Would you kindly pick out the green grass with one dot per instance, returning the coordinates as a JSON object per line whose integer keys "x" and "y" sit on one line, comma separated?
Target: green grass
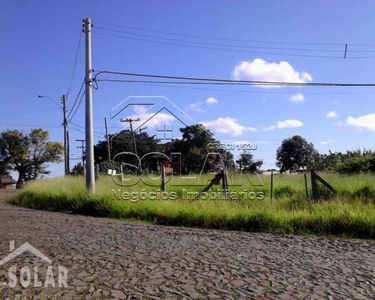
{"x": 348, "y": 213}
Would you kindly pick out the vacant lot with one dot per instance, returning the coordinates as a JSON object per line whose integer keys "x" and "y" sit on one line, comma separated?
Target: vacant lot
{"x": 350, "y": 212}
{"x": 115, "y": 259}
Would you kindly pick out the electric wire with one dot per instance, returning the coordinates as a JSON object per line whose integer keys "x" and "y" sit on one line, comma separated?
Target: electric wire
{"x": 79, "y": 104}
{"x": 227, "y": 45}
{"x": 84, "y": 127}
{"x": 81, "y": 131}
{"x": 230, "y": 39}
{"x": 74, "y": 64}
{"x": 209, "y": 81}
{"x": 29, "y": 125}
{"x": 225, "y": 49}
{"x": 161, "y": 84}
{"x": 76, "y": 100}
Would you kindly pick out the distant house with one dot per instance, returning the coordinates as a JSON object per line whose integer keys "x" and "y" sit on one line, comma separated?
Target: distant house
{"x": 6, "y": 182}
{"x": 167, "y": 167}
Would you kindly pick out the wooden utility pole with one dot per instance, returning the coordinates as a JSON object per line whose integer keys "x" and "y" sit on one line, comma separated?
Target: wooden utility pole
{"x": 108, "y": 144}
{"x": 66, "y": 136}
{"x": 130, "y": 121}
{"x": 66, "y": 132}
{"x": 82, "y": 147}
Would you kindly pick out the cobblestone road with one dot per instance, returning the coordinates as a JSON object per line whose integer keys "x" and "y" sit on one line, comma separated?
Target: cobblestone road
{"x": 109, "y": 259}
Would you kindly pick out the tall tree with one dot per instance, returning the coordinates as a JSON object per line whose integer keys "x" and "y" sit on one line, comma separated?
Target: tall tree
{"x": 295, "y": 153}
{"x": 3, "y": 166}
{"x": 28, "y": 153}
{"x": 247, "y": 164}
{"x": 123, "y": 142}
{"x": 195, "y": 147}
{"x": 77, "y": 169}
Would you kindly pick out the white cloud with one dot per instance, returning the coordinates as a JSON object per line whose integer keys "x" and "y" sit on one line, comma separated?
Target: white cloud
{"x": 289, "y": 124}
{"x": 227, "y": 125}
{"x": 326, "y": 142}
{"x": 297, "y": 98}
{"x": 366, "y": 121}
{"x": 212, "y": 100}
{"x": 140, "y": 109}
{"x": 196, "y": 107}
{"x": 270, "y": 128}
{"x": 332, "y": 114}
{"x": 261, "y": 70}
{"x": 284, "y": 124}
{"x": 141, "y": 113}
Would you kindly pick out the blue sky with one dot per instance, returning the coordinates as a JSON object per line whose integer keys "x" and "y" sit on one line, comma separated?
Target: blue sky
{"x": 39, "y": 40}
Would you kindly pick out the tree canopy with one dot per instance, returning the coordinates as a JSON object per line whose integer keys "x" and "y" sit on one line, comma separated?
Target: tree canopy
{"x": 350, "y": 162}
{"x": 28, "y": 153}
{"x": 246, "y": 163}
{"x": 295, "y": 153}
{"x": 193, "y": 146}
{"x": 196, "y": 153}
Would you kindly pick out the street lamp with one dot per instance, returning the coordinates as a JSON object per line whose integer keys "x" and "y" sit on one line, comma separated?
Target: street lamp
{"x": 48, "y": 97}
{"x": 66, "y": 132}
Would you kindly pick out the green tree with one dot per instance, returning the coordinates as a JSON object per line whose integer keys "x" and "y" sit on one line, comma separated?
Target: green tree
{"x": 356, "y": 161}
{"x": 295, "y": 153}
{"x": 4, "y": 168}
{"x": 123, "y": 142}
{"x": 77, "y": 169}
{"x": 195, "y": 145}
{"x": 247, "y": 164}
{"x": 28, "y": 153}
{"x": 350, "y": 162}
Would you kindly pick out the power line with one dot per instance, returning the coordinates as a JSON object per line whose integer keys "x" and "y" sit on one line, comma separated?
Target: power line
{"x": 75, "y": 101}
{"x": 81, "y": 131}
{"x": 79, "y": 104}
{"x": 225, "y": 49}
{"x": 160, "y": 84}
{"x": 227, "y": 45}
{"x": 238, "y": 50}
{"x": 28, "y": 125}
{"x": 210, "y": 81}
{"x": 203, "y": 45}
{"x": 84, "y": 127}
{"x": 75, "y": 64}
{"x": 231, "y": 39}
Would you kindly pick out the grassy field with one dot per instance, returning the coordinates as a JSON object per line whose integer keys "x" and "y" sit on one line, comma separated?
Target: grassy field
{"x": 348, "y": 213}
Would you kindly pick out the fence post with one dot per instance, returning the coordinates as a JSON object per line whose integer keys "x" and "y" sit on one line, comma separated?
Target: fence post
{"x": 97, "y": 172}
{"x": 271, "y": 184}
{"x": 314, "y": 187}
{"x": 225, "y": 183}
{"x": 306, "y": 188}
{"x": 163, "y": 185}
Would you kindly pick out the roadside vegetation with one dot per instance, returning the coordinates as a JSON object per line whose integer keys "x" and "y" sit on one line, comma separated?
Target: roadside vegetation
{"x": 348, "y": 213}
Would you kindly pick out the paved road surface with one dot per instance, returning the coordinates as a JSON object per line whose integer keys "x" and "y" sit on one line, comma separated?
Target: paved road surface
{"x": 109, "y": 259}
